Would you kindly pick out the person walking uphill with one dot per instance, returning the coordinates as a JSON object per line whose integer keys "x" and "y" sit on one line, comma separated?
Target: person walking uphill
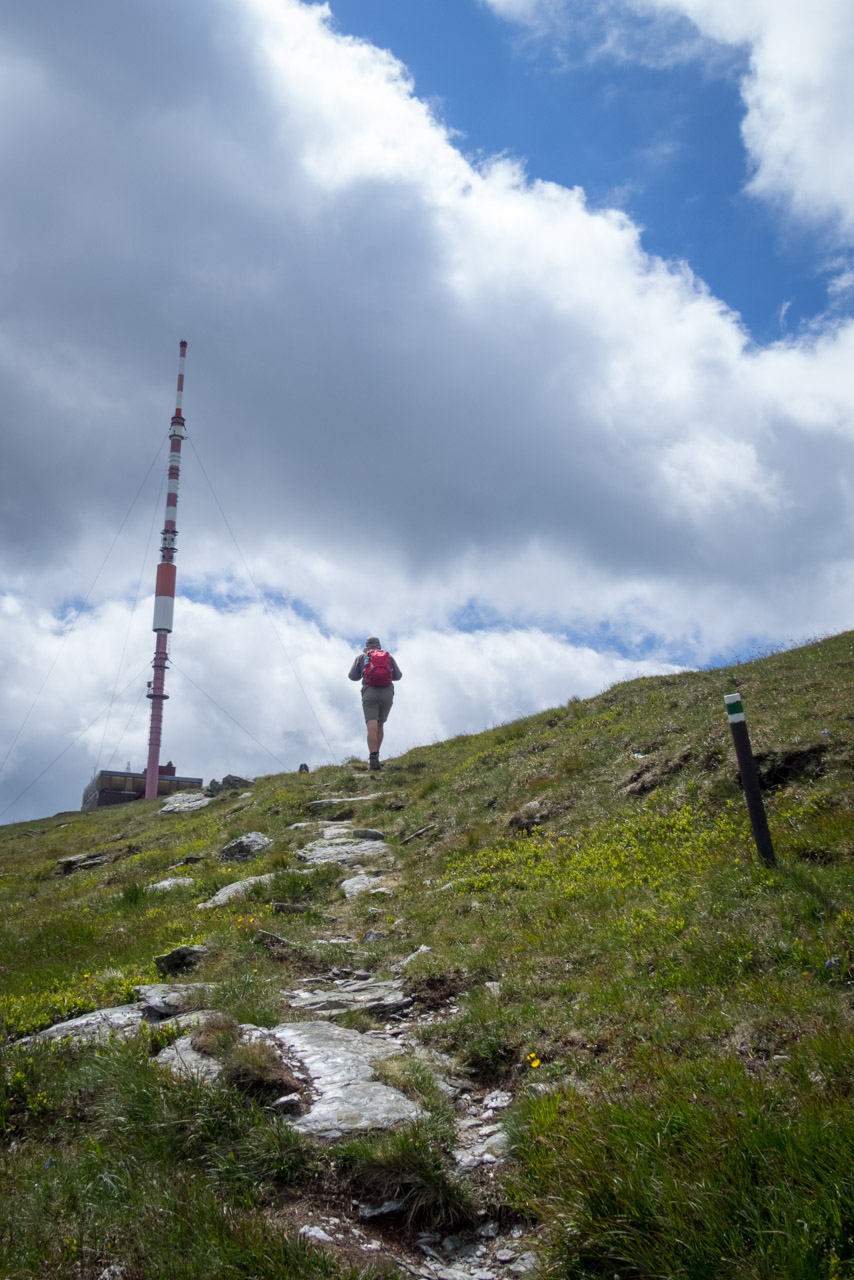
{"x": 376, "y": 669}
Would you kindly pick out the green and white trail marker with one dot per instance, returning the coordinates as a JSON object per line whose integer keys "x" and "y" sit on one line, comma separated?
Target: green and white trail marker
{"x": 749, "y": 778}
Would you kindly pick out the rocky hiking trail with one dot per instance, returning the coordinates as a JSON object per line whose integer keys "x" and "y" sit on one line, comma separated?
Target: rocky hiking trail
{"x": 327, "y": 1073}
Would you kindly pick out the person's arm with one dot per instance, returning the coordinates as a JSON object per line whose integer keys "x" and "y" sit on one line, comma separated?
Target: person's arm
{"x": 396, "y": 673}
{"x": 358, "y": 668}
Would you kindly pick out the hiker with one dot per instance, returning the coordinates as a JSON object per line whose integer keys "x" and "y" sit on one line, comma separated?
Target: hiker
{"x": 376, "y": 669}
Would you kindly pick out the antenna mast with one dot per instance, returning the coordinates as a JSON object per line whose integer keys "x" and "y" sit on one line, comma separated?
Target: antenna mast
{"x": 164, "y": 591}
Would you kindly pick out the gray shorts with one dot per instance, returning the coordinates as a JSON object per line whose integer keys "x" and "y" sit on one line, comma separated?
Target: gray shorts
{"x": 376, "y": 703}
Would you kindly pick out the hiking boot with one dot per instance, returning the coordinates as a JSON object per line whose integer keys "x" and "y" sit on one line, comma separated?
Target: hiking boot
{"x": 374, "y": 762}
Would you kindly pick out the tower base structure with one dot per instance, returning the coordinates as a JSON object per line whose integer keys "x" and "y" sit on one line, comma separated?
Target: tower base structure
{"x": 118, "y": 786}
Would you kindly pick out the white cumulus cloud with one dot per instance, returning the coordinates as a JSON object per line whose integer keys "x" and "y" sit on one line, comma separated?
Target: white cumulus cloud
{"x": 798, "y": 90}
{"x": 434, "y": 398}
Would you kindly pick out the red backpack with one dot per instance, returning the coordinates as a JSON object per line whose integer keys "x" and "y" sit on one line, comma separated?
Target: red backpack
{"x": 377, "y": 671}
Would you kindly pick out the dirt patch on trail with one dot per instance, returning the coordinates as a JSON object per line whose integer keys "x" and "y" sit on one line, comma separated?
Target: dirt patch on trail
{"x": 763, "y": 1045}
{"x": 778, "y": 768}
{"x": 653, "y": 772}
{"x": 432, "y": 991}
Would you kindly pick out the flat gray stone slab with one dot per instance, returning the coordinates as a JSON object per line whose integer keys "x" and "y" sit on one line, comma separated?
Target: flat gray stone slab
{"x": 317, "y": 804}
{"x": 80, "y": 862}
{"x": 351, "y": 993}
{"x": 121, "y": 1020}
{"x": 235, "y": 890}
{"x": 185, "y": 801}
{"x": 340, "y": 1064}
{"x": 245, "y": 847}
{"x": 358, "y": 1108}
{"x": 183, "y": 1060}
{"x": 343, "y": 851}
{"x": 361, "y": 884}
{"x": 167, "y": 999}
{"x": 174, "y": 882}
{"x": 334, "y": 1056}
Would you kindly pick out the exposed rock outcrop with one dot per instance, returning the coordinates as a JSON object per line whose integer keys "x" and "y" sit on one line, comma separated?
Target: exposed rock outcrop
{"x": 381, "y": 998}
{"x": 231, "y": 782}
{"x": 121, "y": 1020}
{"x": 355, "y": 885}
{"x": 173, "y": 882}
{"x": 324, "y": 1076}
{"x": 245, "y": 848}
{"x": 185, "y": 802}
{"x": 338, "y": 844}
{"x": 340, "y": 1064}
{"x": 319, "y": 804}
{"x": 238, "y": 889}
{"x": 179, "y": 959}
{"x": 168, "y": 999}
{"x": 80, "y": 862}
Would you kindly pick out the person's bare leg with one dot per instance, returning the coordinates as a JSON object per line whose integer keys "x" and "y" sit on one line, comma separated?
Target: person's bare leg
{"x": 379, "y": 734}
{"x": 375, "y": 735}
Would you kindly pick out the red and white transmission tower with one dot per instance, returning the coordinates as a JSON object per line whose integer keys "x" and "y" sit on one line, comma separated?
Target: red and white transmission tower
{"x": 164, "y": 592}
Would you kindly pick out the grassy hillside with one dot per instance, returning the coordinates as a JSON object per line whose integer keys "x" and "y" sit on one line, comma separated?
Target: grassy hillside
{"x": 674, "y": 1019}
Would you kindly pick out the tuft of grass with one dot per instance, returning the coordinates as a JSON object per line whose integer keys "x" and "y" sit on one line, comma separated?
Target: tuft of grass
{"x": 357, "y": 1020}
{"x": 217, "y": 1035}
{"x": 413, "y": 1077}
{"x": 408, "y": 1166}
{"x": 255, "y": 1068}
{"x": 486, "y": 1037}
{"x": 250, "y": 998}
{"x": 300, "y": 886}
{"x": 132, "y": 895}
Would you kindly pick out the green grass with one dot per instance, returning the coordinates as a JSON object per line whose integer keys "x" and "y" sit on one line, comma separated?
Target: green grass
{"x": 684, "y": 1013}
{"x": 714, "y": 1172}
{"x": 168, "y": 1177}
{"x": 408, "y": 1167}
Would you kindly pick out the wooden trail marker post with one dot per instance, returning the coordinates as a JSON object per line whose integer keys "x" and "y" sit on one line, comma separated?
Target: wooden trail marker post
{"x": 749, "y": 778}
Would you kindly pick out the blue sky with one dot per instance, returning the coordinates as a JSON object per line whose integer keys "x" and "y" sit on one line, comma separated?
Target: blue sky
{"x": 519, "y": 333}
{"x": 663, "y": 142}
